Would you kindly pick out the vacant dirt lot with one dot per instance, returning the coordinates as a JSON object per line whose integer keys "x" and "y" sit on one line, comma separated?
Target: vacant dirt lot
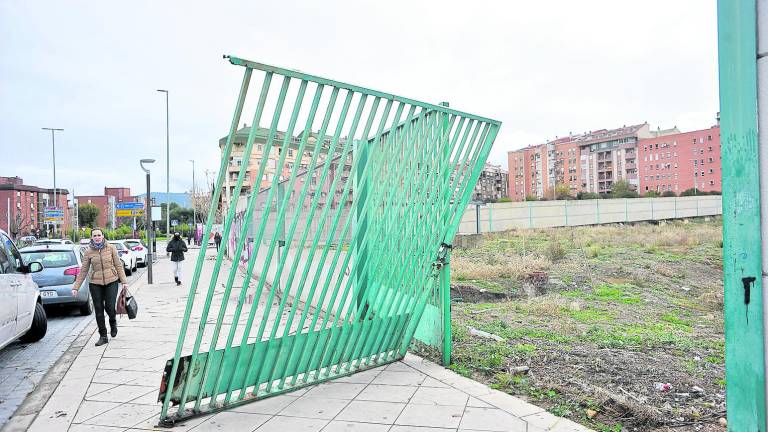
{"x": 617, "y": 327}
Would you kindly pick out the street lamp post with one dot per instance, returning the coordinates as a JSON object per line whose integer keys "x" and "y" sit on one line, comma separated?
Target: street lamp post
{"x": 148, "y": 221}
{"x": 194, "y": 191}
{"x": 167, "y": 168}
{"x": 53, "y": 146}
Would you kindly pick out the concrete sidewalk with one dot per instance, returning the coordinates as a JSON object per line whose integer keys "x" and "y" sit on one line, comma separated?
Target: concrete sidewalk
{"x": 115, "y": 387}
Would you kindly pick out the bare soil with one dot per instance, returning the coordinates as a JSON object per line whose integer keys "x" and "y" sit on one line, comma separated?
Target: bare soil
{"x": 620, "y": 327}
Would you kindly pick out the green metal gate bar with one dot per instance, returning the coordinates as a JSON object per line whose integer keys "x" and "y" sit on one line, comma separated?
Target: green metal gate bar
{"x": 742, "y": 254}
{"x": 344, "y": 234}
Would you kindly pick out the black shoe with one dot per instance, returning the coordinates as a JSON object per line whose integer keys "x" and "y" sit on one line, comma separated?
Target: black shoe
{"x": 102, "y": 340}
{"x": 178, "y": 282}
{"x": 114, "y": 332}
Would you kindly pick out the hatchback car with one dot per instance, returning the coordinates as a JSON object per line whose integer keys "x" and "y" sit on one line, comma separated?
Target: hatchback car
{"x": 139, "y": 249}
{"x": 52, "y": 241}
{"x": 126, "y": 255}
{"x": 62, "y": 265}
{"x": 21, "y": 309}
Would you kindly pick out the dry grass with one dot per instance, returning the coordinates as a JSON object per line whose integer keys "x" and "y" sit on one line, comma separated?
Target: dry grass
{"x": 500, "y": 267}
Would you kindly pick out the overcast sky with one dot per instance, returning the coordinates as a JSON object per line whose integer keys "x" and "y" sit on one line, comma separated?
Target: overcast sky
{"x": 543, "y": 68}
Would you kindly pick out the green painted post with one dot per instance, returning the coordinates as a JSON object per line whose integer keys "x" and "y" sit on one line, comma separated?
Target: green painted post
{"x": 744, "y": 333}
{"x": 566, "y": 212}
{"x": 597, "y": 212}
{"x": 490, "y": 217}
{"x": 626, "y": 210}
{"x": 445, "y": 271}
{"x": 652, "y": 209}
{"x": 675, "y": 199}
{"x": 530, "y": 215}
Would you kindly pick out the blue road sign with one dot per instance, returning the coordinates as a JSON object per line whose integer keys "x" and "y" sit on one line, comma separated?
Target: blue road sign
{"x": 130, "y": 206}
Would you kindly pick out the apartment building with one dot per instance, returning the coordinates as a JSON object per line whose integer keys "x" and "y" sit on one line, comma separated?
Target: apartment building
{"x": 21, "y": 207}
{"x": 681, "y": 161}
{"x": 492, "y": 185}
{"x": 292, "y": 158}
{"x": 587, "y": 162}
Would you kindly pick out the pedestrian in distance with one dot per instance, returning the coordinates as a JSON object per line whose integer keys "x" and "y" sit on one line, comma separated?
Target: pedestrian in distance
{"x": 217, "y": 240}
{"x": 176, "y": 247}
{"x": 101, "y": 257}
{"x": 189, "y": 238}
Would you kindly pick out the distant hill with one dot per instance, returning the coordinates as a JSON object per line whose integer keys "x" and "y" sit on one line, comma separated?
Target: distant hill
{"x": 181, "y": 198}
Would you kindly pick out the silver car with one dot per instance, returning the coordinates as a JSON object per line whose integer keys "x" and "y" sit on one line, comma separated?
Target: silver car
{"x": 21, "y": 309}
{"x": 61, "y": 265}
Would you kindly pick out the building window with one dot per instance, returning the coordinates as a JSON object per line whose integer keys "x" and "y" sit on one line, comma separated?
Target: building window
{"x": 711, "y": 182}
{"x": 711, "y": 160}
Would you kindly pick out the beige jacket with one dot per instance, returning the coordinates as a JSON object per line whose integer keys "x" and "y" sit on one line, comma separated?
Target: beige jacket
{"x": 106, "y": 264}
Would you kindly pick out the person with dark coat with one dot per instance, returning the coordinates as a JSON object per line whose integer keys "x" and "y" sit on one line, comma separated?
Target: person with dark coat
{"x": 217, "y": 240}
{"x": 176, "y": 247}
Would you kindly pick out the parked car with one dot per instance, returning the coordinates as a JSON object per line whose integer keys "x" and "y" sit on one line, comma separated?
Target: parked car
{"x": 128, "y": 257}
{"x": 85, "y": 242}
{"x": 139, "y": 249}
{"x": 21, "y": 309}
{"x": 62, "y": 265}
{"x": 25, "y": 241}
{"x": 52, "y": 241}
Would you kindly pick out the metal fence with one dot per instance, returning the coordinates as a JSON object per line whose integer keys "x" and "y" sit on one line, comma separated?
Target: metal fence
{"x": 547, "y": 214}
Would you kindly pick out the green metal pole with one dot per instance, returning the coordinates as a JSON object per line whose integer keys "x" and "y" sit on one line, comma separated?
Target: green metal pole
{"x": 742, "y": 256}
{"x": 530, "y": 215}
{"x": 597, "y": 206}
{"x": 445, "y": 272}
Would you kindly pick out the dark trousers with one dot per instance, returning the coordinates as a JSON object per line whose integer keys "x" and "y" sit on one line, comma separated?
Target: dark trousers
{"x": 104, "y": 298}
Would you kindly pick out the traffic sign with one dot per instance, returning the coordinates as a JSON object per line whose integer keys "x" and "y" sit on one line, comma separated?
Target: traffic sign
{"x": 130, "y": 206}
{"x": 53, "y": 214}
{"x": 174, "y": 222}
{"x": 129, "y": 213}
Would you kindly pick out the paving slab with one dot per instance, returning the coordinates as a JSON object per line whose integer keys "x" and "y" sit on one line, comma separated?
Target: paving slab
{"x": 115, "y": 387}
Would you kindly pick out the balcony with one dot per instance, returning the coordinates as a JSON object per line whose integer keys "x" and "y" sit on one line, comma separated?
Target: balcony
{"x": 631, "y": 165}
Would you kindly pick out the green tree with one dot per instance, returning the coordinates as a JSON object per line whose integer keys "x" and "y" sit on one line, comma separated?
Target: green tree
{"x": 87, "y": 214}
{"x": 690, "y": 192}
{"x": 622, "y": 189}
{"x": 563, "y": 191}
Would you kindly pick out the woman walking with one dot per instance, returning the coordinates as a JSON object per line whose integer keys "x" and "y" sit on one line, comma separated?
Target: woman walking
{"x": 102, "y": 258}
{"x": 176, "y": 247}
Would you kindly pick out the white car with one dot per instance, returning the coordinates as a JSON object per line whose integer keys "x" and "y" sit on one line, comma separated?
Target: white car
{"x": 139, "y": 249}
{"x": 21, "y": 309}
{"x": 52, "y": 242}
{"x": 126, "y": 255}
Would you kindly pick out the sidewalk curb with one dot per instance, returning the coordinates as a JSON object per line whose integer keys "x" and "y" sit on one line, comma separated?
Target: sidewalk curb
{"x": 28, "y": 411}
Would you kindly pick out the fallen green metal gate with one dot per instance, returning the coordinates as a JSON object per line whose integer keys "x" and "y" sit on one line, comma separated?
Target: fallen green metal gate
{"x": 356, "y": 198}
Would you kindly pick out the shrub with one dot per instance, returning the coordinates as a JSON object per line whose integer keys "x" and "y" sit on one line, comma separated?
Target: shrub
{"x": 587, "y": 196}
{"x": 504, "y": 199}
{"x": 555, "y": 251}
{"x": 690, "y": 192}
{"x": 651, "y": 194}
{"x": 531, "y": 198}
{"x": 668, "y": 194}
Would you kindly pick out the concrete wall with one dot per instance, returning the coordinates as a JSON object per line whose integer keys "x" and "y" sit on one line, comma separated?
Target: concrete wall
{"x": 545, "y": 214}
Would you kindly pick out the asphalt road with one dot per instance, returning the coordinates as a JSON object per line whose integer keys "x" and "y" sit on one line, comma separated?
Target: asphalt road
{"x": 23, "y": 365}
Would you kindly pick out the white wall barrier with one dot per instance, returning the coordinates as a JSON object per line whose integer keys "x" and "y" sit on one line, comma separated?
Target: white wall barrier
{"x": 546, "y": 214}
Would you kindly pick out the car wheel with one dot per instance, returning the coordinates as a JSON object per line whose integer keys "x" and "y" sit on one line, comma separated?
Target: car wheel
{"x": 86, "y": 308}
{"x": 39, "y": 325}
{"x": 128, "y": 272}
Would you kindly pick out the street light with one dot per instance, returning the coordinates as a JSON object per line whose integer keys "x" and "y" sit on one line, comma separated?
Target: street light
{"x": 148, "y": 221}
{"x": 194, "y": 212}
{"x": 167, "y": 168}
{"x": 53, "y": 144}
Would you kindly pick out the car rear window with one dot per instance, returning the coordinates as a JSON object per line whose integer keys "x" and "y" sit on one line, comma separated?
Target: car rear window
{"x": 132, "y": 243}
{"x": 51, "y": 259}
{"x": 119, "y": 246}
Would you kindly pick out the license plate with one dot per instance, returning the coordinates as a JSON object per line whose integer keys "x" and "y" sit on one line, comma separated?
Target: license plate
{"x": 48, "y": 294}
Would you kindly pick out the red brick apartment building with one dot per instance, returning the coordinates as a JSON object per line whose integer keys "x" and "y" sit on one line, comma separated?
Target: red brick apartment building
{"x": 689, "y": 160}
{"x": 106, "y": 204}
{"x": 21, "y": 206}
{"x": 658, "y": 160}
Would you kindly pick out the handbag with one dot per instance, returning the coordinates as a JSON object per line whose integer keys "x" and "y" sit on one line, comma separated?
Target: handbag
{"x": 126, "y": 304}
